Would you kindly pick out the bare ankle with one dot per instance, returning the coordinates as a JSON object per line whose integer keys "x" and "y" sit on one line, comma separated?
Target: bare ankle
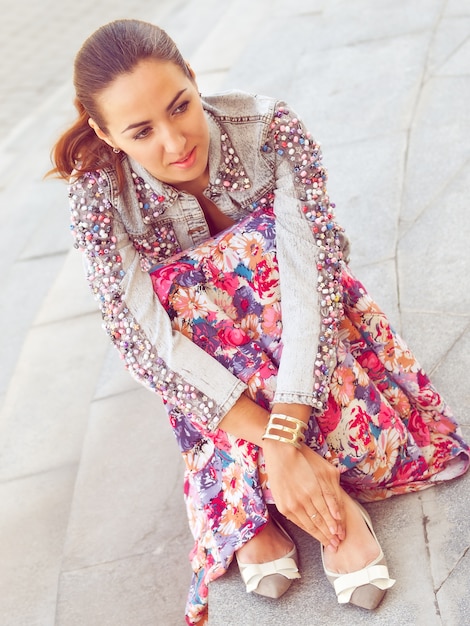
{"x": 269, "y": 544}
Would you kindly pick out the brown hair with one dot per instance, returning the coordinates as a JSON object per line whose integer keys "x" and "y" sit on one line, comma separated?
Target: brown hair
{"x": 114, "y": 49}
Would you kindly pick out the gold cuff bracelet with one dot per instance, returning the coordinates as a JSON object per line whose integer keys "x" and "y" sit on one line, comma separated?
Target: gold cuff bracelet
{"x": 294, "y": 428}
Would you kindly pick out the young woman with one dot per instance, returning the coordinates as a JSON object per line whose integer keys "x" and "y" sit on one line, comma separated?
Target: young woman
{"x": 222, "y": 278}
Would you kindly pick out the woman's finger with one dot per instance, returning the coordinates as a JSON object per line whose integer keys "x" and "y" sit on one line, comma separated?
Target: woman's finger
{"x": 317, "y": 524}
{"x": 309, "y": 513}
{"x": 333, "y": 504}
{"x": 335, "y": 508}
{"x": 323, "y": 520}
{"x": 309, "y": 526}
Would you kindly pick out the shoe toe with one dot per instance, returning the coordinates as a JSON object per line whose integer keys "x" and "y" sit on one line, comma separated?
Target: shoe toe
{"x": 367, "y": 597}
{"x": 273, "y": 586}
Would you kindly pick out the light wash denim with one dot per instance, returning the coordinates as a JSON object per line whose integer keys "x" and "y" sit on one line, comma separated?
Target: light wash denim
{"x": 124, "y": 234}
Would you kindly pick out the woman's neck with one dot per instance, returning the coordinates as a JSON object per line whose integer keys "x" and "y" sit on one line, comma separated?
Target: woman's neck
{"x": 197, "y": 186}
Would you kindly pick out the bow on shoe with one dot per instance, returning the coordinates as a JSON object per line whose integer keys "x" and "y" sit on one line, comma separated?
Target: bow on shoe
{"x": 376, "y": 575}
{"x": 253, "y": 573}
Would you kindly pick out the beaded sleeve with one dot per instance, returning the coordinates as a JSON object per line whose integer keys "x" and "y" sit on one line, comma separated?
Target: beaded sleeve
{"x": 310, "y": 248}
{"x": 134, "y": 318}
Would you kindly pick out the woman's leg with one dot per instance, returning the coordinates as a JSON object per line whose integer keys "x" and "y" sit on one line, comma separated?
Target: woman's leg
{"x": 268, "y": 545}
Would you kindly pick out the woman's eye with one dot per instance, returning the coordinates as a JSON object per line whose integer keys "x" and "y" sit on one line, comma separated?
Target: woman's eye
{"x": 142, "y": 133}
{"x": 181, "y": 108}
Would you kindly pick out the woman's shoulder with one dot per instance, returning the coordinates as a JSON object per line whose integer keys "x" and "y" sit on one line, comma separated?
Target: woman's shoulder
{"x": 240, "y": 105}
{"x": 98, "y": 182}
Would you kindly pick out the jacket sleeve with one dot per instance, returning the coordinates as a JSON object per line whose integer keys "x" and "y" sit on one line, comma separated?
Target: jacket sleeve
{"x": 162, "y": 359}
{"x": 311, "y": 248}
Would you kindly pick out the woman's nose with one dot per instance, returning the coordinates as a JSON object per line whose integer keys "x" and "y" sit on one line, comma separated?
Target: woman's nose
{"x": 174, "y": 142}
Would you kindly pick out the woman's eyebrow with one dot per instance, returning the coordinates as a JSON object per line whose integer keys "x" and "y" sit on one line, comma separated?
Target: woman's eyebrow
{"x": 180, "y": 93}
{"x": 168, "y": 108}
{"x": 135, "y": 125}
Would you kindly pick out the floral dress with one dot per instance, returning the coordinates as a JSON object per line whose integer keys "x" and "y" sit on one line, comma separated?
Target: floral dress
{"x": 385, "y": 426}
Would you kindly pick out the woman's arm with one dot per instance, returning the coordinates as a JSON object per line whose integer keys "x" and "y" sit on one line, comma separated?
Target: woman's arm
{"x": 138, "y": 325}
{"x": 309, "y": 247}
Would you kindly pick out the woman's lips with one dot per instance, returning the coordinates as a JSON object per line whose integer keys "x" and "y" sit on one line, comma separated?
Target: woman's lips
{"x": 187, "y": 161}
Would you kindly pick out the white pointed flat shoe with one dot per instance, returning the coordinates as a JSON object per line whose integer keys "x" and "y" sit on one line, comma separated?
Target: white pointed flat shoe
{"x": 365, "y": 587}
{"x": 271, "y": 579}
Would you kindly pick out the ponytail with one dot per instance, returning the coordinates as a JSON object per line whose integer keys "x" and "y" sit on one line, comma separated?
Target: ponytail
{"x": 80, "y": 150}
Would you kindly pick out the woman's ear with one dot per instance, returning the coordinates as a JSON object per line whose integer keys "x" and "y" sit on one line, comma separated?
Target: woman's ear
{"x": 100, "y": 133}
{"x": 192, "y": 73}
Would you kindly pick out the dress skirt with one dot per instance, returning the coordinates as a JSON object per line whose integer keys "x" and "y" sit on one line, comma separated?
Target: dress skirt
{"x": 386, "y": 427}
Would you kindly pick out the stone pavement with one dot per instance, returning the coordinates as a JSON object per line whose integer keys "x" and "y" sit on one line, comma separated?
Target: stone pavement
{"x": 92, "y": 524}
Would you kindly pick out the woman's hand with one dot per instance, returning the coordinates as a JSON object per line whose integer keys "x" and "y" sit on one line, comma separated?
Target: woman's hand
{"x": 306, "y": 490}
{"x": 303, "y": 484}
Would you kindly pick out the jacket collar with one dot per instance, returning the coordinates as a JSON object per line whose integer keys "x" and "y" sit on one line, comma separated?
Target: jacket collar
{"x": 226, "y": 171}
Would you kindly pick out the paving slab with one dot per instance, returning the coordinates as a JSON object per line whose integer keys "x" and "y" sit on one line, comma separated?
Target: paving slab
{"x": 69, "y": 295}
{"x": 136, "y": 590}
{"x": 457, "y": 8}
{"x": 127, "y": 482}
{"x": 368, "y": 192}
{"x": 128, "y": 541}
{"x": 448, "y": 535}
{"x": 355, "y": 21}
{"x": 439, "y": 282}
{"x": 23, "y": 288}
{"x": 33, "y": 520}
{"x": 448, "y": 377}
{"x": 59, "y": 403}
{"x": 452, "y": 35}
{"x": 441, "y": 120}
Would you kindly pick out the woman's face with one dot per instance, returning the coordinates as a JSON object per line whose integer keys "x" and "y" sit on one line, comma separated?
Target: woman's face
{"x": 155, "y": 115}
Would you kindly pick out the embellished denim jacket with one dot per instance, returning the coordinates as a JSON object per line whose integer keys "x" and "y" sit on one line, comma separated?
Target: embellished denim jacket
{"x": 260, "y": 152}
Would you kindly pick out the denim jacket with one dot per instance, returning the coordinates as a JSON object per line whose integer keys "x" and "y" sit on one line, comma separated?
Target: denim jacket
{"x": 260, "y": 152}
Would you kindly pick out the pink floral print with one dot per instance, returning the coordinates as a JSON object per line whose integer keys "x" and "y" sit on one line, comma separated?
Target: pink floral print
{"x": 385, "y": 426}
